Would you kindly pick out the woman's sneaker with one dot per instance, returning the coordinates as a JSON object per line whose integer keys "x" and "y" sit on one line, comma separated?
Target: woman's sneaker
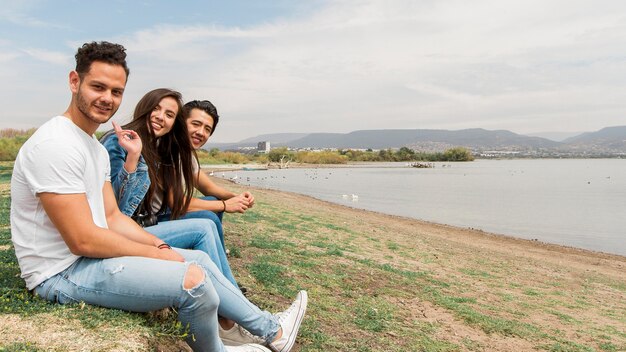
{"x": 246, "y": 348}
{"x": 237, "y": 335}
{"x": 290, "y": 321}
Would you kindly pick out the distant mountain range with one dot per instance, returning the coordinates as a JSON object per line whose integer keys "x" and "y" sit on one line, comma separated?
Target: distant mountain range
{"x": 609, "y": 141}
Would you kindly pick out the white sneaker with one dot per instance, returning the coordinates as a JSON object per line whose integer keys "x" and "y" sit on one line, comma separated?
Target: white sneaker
{"x": 237, "y": 335}
{"x": 246, "y": 348}
{"x": 290, "y": 321}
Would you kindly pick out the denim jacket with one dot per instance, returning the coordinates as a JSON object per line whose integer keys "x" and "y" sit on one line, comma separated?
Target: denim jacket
{"x": 131, "y": 188}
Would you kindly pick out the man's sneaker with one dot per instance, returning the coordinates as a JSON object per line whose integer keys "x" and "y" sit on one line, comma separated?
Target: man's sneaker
{"x": 290, "y": 321}
{"x": 246, "y": 348}
{"x": 237, "y": 335}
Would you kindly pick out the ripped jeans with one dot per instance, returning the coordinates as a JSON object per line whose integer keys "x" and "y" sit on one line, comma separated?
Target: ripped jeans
{"x": 200, "y": 234}
{"x": 139, "y": 284}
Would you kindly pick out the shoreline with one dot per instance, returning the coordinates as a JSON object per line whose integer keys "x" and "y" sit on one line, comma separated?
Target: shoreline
{"x": 470, "y": 230}
{"x": 465, "y": 235}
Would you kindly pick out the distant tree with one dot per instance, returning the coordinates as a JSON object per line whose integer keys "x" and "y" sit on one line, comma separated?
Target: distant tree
{"x": 324, "y": 157}
{"x": 385, "y": 155}
{"x": 213, "y": 152}
{"x": 457, "y": 154}
{"x": 276, "y": 153}
{"x": 405, "y": 154}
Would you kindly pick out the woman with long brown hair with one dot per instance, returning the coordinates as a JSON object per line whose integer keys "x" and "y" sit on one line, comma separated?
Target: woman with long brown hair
{"x": 151, "y": 171}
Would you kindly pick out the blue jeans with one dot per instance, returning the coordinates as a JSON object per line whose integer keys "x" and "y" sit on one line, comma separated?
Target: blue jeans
{"x": 139, "y": 284}
{"x": 202, "y": 214}
{"x": 200, "y": 234}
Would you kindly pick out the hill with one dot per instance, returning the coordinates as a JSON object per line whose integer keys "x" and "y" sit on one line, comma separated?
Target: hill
{"x": 610, "y": 141}
{"x": 476, "y": 138}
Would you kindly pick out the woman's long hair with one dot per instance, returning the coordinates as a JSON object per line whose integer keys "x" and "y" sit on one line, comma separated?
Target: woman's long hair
{"x": 169, "y": 157}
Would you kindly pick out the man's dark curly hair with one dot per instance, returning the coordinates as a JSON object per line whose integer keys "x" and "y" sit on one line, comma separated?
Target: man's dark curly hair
{"x": 110, "y": 53}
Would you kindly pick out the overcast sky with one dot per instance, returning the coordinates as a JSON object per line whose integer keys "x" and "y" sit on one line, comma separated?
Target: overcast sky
{"x": 334, "y": 66}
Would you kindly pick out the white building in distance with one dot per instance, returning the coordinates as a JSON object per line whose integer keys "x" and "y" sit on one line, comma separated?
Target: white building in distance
{"x": 263, "y": 147}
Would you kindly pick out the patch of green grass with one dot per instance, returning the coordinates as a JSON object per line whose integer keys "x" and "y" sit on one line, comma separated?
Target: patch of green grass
{"x": 336, "y": 227}
{"x": 472, "y": 345}
{"x": 531, "y": 292}
{"x": 265, "y": 242}
{"x": 566, "y": 346}
{"x": 21, "y": 347}
{"x": 235, "y": 251}
{"x": 564, "y": 317}
{"x": 312, "y": 337}
{"x": 489, "y": 324}
{"x": 271, "y": 276}
{"x": 307, "y": 218}
{"x": 507, "y": 297}
{"x": 474, "y": 272}
{"x": 287, "y": 226}
{"x": 373, "y": 314}
{"x": 609, "y": 347}
{"x": 334, "y": 251}
{"x": 393, "y": 246}
{"x": 250, "y": 217}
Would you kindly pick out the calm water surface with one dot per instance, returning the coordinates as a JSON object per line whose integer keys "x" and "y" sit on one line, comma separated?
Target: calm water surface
{"x": 579, "y": 203}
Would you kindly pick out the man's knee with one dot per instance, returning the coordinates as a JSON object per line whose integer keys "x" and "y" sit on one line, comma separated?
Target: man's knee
{"x": 193, "y": 277}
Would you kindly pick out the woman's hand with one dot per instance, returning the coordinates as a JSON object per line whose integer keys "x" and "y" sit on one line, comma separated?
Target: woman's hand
{"x": 128, "y": 139}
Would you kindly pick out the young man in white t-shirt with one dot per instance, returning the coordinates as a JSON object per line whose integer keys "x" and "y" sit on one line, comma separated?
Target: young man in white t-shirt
{"x": 73, "y": 244}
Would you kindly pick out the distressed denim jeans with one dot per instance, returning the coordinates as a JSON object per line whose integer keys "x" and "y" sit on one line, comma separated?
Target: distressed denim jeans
{"x": 200, "y": 234}
{"x": 139, "y": 284}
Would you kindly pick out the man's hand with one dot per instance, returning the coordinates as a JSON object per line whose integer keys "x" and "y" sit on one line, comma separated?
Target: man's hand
{"x": 249, "y": 197}
{"x": 237, "y": 204}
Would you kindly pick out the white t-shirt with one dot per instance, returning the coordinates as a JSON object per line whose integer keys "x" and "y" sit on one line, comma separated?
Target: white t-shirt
{"x": 59, "y": 158}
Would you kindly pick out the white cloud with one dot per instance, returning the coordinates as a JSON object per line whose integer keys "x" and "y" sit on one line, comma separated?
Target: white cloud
{"x": 520, "y": 65}
{"x": 52, "y": 57}
{"x": 17, "y": 13}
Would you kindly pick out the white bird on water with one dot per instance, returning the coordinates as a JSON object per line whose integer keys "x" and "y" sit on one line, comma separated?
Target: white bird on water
{"x": 355, "y": 198}
{"x": 234, "y": 177}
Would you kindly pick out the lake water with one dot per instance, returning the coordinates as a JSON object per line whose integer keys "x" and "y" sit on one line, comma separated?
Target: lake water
{"x": 579, "y": 203}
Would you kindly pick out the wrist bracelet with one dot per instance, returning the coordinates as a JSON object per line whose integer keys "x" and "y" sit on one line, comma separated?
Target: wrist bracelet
{"x": 223, "y": 211}
{"x": 164, "y": 245}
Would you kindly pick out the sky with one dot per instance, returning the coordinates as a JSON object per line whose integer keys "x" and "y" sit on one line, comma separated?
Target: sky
{"x": 528, "y": 66}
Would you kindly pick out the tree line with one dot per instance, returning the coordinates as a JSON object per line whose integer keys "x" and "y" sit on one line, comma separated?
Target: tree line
{"x": 11, "y": 141}
{"x": 341, "y": 156}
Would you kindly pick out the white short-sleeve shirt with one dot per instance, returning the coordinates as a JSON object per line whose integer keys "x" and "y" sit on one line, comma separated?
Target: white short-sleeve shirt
{"x": 58, "y": 158}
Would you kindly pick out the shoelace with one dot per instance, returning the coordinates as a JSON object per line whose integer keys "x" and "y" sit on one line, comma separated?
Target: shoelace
{"x": 282, "y": 316}
{"x": 248, "y": 334}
